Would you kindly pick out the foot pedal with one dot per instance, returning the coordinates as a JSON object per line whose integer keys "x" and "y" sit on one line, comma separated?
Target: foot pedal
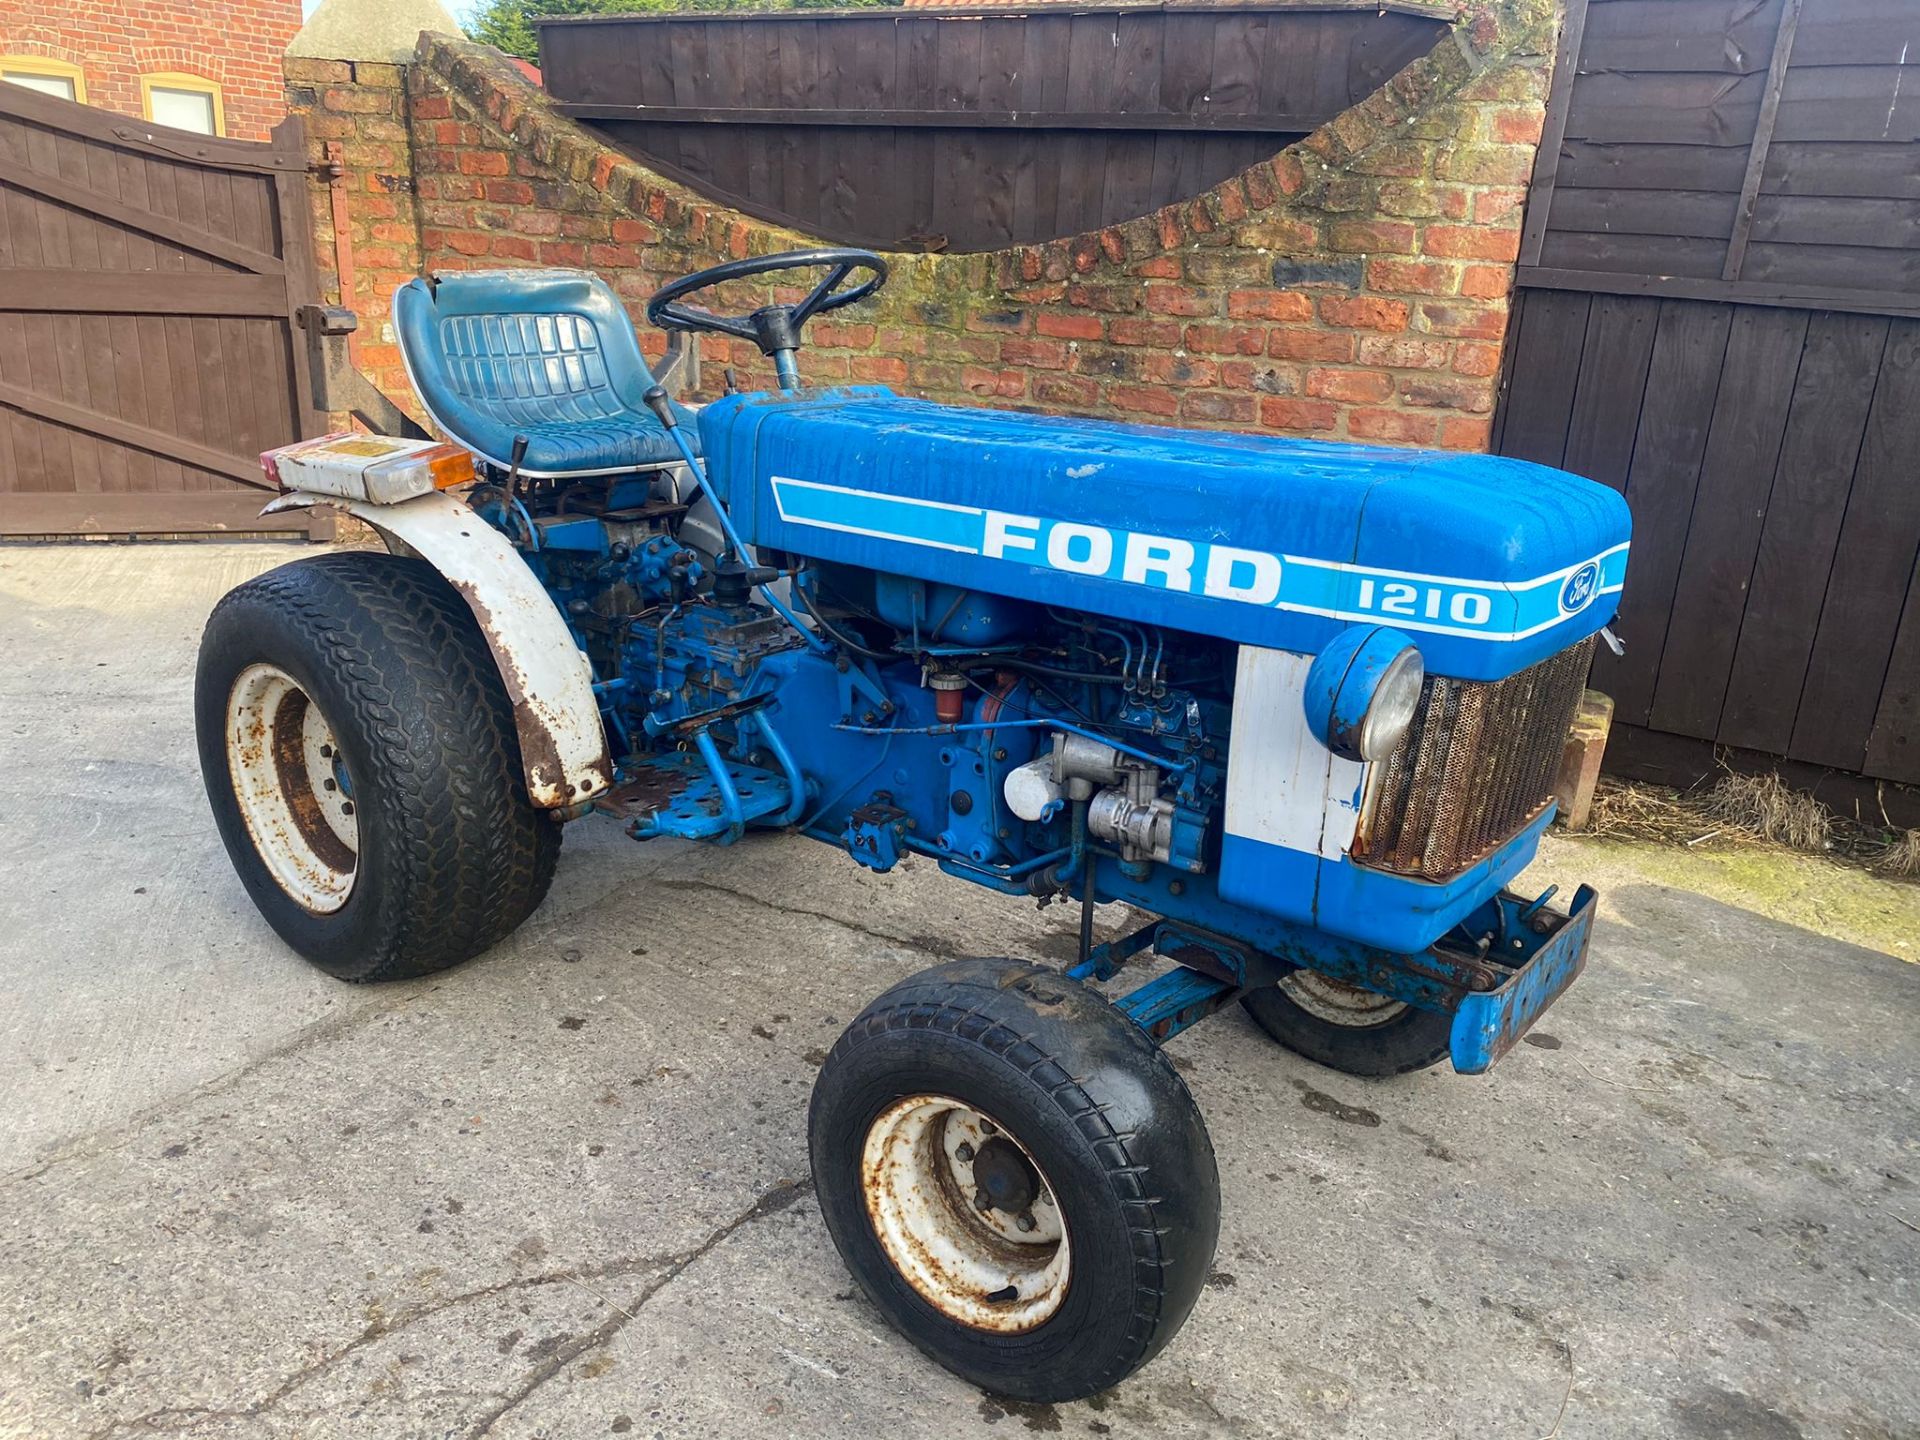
{"x": 676, "y": 794}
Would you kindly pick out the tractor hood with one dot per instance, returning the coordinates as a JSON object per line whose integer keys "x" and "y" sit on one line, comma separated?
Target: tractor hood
{"x": 1489, "y": 564}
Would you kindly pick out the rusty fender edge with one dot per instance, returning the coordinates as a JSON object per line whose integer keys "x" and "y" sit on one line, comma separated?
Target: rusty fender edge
{"x": 562, "y": 745}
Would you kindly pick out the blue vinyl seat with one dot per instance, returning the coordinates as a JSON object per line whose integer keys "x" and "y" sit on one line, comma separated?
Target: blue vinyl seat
{"x": 548, "y": 354}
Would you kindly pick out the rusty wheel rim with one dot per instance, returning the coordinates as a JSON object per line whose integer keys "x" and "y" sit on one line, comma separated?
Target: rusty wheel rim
{"x": 965, "y": 1215}
{"x": 292, "y": 786}
{"x": 1338, "y": 1003}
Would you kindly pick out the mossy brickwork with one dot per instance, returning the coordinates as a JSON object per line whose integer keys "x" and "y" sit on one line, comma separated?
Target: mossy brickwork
{"x": 1355, "y": 286}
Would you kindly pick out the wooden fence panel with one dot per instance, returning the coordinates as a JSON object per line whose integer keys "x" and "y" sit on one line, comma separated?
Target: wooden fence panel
{"x": 148, "y": 280}
{"x": 972, "y": 130}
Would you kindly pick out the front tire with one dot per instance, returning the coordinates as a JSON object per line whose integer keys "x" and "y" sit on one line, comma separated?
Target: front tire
{"x": 1349, "y": 1029}
{"x": 1016, "y": 1176}
{"x": 359, "y": 752}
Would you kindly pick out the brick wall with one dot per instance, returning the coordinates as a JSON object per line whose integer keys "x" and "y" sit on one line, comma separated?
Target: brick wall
{"x": 235, "y": 43}
{"x": 357, "y": 111}
{"x": 1353, "y": 287}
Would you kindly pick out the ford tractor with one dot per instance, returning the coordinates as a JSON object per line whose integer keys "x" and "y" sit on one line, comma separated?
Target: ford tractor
{"x": 1293, "y": 708}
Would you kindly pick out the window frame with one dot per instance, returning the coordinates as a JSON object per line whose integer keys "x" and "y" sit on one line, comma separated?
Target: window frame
{"x": 52, "y": 68}
{"x": 183, "y": 81}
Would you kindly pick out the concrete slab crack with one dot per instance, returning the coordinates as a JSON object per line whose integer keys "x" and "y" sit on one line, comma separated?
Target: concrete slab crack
{"x": 670, "y": 1267}
{"x": 771, "y": 1202}
{"x": 927, "y": 944}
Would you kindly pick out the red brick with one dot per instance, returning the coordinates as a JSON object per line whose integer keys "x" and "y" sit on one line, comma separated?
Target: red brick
{"x": 1158, "y": 267}
{"x": 886, "y": 369}
{"x": 1519, "y": 127}
{"x": 1069, "y": 326}
{"x": 1352, "y": 387}
{"x": 1472, "y": 358}
{"x": 1486, "y": 282}
{"x": 849, "y": 336}
{"x": 1469, "y": 322}
{"x": 1226, "y": 339}
{"x": 629, "y": 231}
{"x": 1501, "y": 205}
{"x": 1364, "y": 312}
{"x": 1412, "y": 277}
{"x": 1394, "y": 426}
{"x": 1473, "y": 242}
{"x": 1279, "y": 412}
{"x": 1269, "y": 305}
{"x": 1176, "y": 300}
{"x": 508, "y": 192}
{"x": 1372, "y": 237}
{"x": 483, "y": 162}
{"x": 1432, "y": 392}
{"x": 1303, "y": 343}
{"x": 1177, "y": 369}
{"x": 994, "y": 384}
{"x": 1465, "y": 433}
{"x": 1165, "y": 333}
{"x": 1214, "y": 406}
{"x": 507, "y": 247}
{"x": 1073, "y": 391}
{"x": 1142, "y": 400}
{"x": 1404, "y": 352}
{"x": 1035, "y": 354}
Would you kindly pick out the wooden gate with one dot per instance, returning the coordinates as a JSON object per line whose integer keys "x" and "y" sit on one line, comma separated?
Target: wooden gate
{"x": 148, "y": 280}
{"x": 1719, "y": 315}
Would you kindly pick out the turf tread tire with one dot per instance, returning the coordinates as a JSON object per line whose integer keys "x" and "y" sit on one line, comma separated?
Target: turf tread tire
{"x": 1060, "y": 1037}
{"x": 453, "y": 854}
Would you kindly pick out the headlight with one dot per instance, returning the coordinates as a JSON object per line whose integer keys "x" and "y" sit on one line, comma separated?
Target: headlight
{"x": 1362, "y": 691}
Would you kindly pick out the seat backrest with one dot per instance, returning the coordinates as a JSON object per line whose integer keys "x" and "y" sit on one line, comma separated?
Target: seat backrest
{"x": 508, "y": 349}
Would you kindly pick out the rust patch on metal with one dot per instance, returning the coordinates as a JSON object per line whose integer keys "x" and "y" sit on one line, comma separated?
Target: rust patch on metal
{"x": 540, "y": 757}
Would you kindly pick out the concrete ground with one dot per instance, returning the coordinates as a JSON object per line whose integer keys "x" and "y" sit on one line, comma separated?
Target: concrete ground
{"x": 562, "y": 1192}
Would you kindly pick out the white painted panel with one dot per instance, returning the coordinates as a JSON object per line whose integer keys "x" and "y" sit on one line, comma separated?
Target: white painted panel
{"x": 1283, "y": 786}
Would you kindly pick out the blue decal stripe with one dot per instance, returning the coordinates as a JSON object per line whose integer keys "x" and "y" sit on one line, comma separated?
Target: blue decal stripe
{"x": 1491, "y": 610}
{"x": 883, "y": 517}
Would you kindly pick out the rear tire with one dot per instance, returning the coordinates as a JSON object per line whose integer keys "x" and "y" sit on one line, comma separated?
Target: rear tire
{"x": 359, "y": 752}
{"x": 1348, "y": 1029}
{"x": 1016, "y": 1176}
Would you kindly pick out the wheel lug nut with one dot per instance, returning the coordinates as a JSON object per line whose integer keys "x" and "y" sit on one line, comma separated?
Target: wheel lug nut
{"x": 982, "y": 1200}
{"x": 326, "y": 752}
{"x": 328, "y": 785}
{"x": 964, "y": 1153}
{"x": 346, "y": 808}
{"x": 989, "y": 1127}
{"x": 1025, "y": 1221}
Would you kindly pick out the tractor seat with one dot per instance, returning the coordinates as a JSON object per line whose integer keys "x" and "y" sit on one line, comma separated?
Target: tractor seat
{"x": 546, "y": 354}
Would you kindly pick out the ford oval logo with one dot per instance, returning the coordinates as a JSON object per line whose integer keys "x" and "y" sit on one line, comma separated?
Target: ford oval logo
{"x": 1580, "y": 587}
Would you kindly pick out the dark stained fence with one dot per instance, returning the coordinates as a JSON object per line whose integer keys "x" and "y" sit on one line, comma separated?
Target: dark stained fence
{"x": 971, "y": 130}
{"x": 147, "y": 281}
{"x": 1717, "y": 316}
{"x": 1734, "y": 149}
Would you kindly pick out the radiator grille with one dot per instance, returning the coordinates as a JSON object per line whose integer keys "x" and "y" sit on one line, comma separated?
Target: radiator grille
{"x": 1476, "y": 765}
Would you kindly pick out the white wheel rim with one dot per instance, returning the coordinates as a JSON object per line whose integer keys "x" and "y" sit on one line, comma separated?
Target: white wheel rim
{"x": 1339, "y": 1003}
{"x": 292, "y": 787}
{"x": 924, "y": 1169}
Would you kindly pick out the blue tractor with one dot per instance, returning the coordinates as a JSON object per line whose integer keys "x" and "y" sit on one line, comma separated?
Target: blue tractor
{"x": 1298, "y": 705}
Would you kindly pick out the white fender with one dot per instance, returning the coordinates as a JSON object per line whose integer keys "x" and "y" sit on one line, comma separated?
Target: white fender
{"x": 547, "y": 676}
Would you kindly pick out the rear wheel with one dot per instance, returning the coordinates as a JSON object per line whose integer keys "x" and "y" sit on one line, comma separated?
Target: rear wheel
{"x": 1348, "y": 1028}
{"x": 359, "y": 753}
{"x": 1016, "y": 1176}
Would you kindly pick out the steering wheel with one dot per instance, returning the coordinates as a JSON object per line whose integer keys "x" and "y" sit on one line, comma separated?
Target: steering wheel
{"x": 773, "y": 328}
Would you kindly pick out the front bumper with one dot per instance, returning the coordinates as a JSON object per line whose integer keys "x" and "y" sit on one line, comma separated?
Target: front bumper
{"x": 1544, "y": 952}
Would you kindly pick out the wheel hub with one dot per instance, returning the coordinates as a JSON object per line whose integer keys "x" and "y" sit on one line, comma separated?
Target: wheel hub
{"x": 1339, "y": 1003}
{"x": 965, "y": 1215}
{"x": 294, "y": 792}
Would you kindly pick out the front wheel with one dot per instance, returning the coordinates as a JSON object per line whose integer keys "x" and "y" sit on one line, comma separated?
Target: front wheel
{"x": 1016, "y": 1176}
{"x": 359, "y": 752}
{"x": 1347, "y": 1028}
